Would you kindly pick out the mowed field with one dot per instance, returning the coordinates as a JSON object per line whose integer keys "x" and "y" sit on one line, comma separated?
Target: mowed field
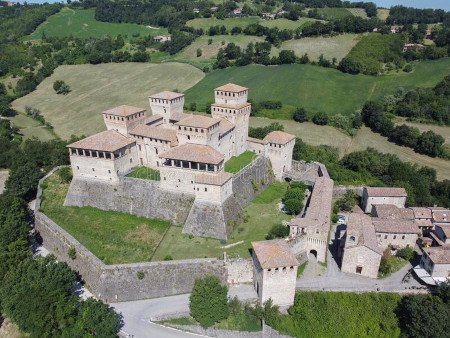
{"x": 229, "y": 23}
{"x": 30, "y": 128}
{"x": 331, "y": 47}
{"x": 317, "y": 135}
{"x": 316, "y": 88}
{"x": 81, "y": 23}
{"x": 96, "y": 88}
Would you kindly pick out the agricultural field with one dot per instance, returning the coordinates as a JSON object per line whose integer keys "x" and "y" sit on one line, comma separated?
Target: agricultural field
{"x": 316, "y": 88}
{"x": 96, "y": 88}
{"x": 326, "y": 135}
{"x": 332, "y": 13}
{"x": 229, "y": 23}
{"x": 29, "y": 128}
{"x": 113, "y": 237}
{"x": 209, "y": 51}
{"x": 81, "y": 23}
{"x": 331, "y": 47}
{"x": 358, "y": 12}
{"x": 262, "y": 214}
{"x": 382, "y": 14}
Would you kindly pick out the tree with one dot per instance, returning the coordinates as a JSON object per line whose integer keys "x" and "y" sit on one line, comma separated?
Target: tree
{"x": 278, "y": 231}
{"x": 199, "y": 52}
{"x": 320, "y": 118}
{"x": 293, "y": 206}
{"x": 61, "y": 87}
{"x": 208, "y": 301}
{"x": 23, "y": 181}
{"x": 300, "y": 115}
{"x": 348, "y": 201}
{"x": 287, "y": 57}
{"x": 429, "y": 143}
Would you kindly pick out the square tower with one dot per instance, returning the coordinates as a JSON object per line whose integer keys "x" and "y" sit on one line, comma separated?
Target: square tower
{"x": 123, "y": 118}
{"x": 167, "y": 104}
{"x": 231, "y": 104}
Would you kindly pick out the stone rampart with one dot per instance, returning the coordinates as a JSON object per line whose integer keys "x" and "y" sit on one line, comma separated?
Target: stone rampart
{"x": 252, "y": 180}
{"x": 340, "y": 190}
{"x": 239, "y": 270}
{"x": 136, "y": 196}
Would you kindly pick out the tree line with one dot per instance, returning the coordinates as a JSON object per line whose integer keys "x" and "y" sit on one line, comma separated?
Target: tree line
{"x": 401, "y": 15}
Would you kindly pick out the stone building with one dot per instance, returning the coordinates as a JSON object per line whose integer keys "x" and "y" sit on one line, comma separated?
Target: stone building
{"x": 394, "y": 196}
{"x": 436, "y": 261}
{"x": 441, "y": 234}
{"x": 275, "y": 272}
{"x": 359, "y": 248}
{"x": 396, "y": 233}
{"x": 314, "y": 226}
{"x": 188, "y": 150}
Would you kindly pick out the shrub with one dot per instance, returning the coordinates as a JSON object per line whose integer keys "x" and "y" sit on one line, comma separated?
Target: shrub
{"x": 408, "y": 68}
{"x": 300, "y": 115}
{"x": 199, "y": 52}
{"x": 208, "y": 301}
{"x": 72, "y": 253}
{"x": 168, "y": 258}
{"x": 278, "y": 231}
{"x": 293, "y": 206}
{"x": 65, "y": 174}
{"x": 406, "y": 253}
{"x": 348, "y": 201}
{"x": 140, "y": 275}
{"x": 320, "y": 119}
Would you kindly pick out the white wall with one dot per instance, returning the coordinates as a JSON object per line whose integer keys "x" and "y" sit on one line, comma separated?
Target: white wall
{"x": 401, "y": 240}
{"x": 281, "y": 157}
{"x": 369, "y": 201}
{"x": 362, "y": 256}
{"x": 166, "y": 108}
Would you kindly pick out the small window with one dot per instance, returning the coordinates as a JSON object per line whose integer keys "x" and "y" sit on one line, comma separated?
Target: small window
{"x": 164, "y": 178}
{"x": 78, "y": 168}
{"x": 403, "y": 237}
{"x": 385, "y": 236}
{"x": 206, "y": 189}
{"x": 131, "y": 160}
{"x": 352, "y": 238}
{"x": 395, "y": 236}
{"x": 93, "y": 169}
{"x": 109, "y": 171}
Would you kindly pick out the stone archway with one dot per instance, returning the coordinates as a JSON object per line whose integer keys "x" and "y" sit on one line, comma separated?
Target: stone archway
{"x": 313, "y": 253}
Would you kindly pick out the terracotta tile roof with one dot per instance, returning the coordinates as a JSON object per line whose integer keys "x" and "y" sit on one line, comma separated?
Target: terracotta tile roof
{"x": 421, "y": 212}
{"x": 256, "y": 140}
{"x": 225, "y": 126}
{"x": 231, "y": 106}
{"x": 360, "y": 226}
{"x": 158, "y": 133}
{"x": 109, "y": 140}
{"x": 178, "y": 116}
{"x": 124, "y": 110}
{"x": 445, "y": 229}
{"x": 231, "y": 87}
{"x": 395, "y": 226}
{"x": 386, "y": 191}
{"x": 440, "y": 254}
{"x": 424, "y": 223}
{"x": 213, "y": 179}
{"x": 194, "y": 153}
{"x": 274, "y": 254}
{"x": 278, "y": 137}
{"x": 441, "y": 216}
{"x": 198, "y": 121}
{"x": 391, "y": 211}
{"x": 166, "y": 95}
{"x": 153, "y": 118}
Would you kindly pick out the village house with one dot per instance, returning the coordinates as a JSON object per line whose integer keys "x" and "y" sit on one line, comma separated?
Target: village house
{"x": 314, "y": 226}
{"x": 441, "y": 234}
{"x": 189, "y": 150}
{"x": 359, "y": 248}
{"x": 275, "y": 272}
{"x": 412, "y": 46}
{"x": 396, "y": 233}
{"x": 268, "y": 15}
{"x": 162, "y": 38}
{"x": 436, "y": 262}
{"x": 394, "y": 196}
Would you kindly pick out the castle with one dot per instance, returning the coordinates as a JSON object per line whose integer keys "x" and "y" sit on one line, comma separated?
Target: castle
{"x": 189, "y": 150}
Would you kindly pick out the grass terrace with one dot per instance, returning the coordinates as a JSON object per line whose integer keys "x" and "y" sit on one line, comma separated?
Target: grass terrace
{"x": 80, "y": 23}
{"x": 113, "y": 237}
{"x": 145, "y": 173}
{"x": 236, "y": 163}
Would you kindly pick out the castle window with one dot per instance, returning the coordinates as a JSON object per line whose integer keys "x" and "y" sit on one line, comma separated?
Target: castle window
{"x": 291, "y": 268}
{"x": 269, "y": 270}
{"x": 284, "y": 269}
{"x": 109, "y": 171}
{"x": 352, "y": 238}
{"x": 108, "y": 155}
{"x": 276, "y": 269}
{"x": 139, "y": 147}
{"x": 78, "y": 168}
{"x": 164, "y": 178}
{"x": 188, "y": 137}
{"x": 385, "y": 236}
{"x": 206, "y": 189}
{"x": 131, "y": 160}
{"x": 192, "y": 182}
{"x": 196, "y": 130}
{"x": 73, "y": 151}
{"x": 403, "y": 237}
{"x": 190, "y": 129}
{"x": 179, "y": 180}
{"x": 93, "y": 169}
{"x": 179, "y": 127}
{"x": 395, "y": 236}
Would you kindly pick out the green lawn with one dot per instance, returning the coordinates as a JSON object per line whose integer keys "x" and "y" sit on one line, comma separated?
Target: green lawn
{"x": 229, "y": 23}
{"x": 30, "y": 128}
{"x": 96, "y": 88}
{"x": 262, "y": 214}
{"x": 316, "y": 88}
{"x": 112, "y": 236}
{"x": 236, "y": 163}
{"x": 145, "y": 173}
{"x": 81, "y": 23}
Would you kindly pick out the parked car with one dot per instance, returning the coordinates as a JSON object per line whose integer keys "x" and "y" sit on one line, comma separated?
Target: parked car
{"x": 341, "y": 221}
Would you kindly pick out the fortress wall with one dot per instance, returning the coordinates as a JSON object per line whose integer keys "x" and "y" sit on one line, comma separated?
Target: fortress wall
{"x": 252, "y": 180}
{"x": 206, "y": 220}
{"x": 340, "y": 190}
{"x": 239, "y": 271}
{"x": 136, "y": 196}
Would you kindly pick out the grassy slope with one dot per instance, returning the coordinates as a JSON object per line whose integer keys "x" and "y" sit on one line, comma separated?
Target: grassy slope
{"x": 262, "y": 214}
{"x": 334, "y": 13}
{"x": 236, "y": 163}
{"x": 81, "y": 24}
{"x": 112, "y": 236}
{"x": 358, "y": 12}
{"x": 31, "y": 128}
{"x": 337, "y": 46}
{"x": 316, "y": 88}
{"x": 96, "y": 88}
{"x": 229, "y": 23}
{"x": 316, "y": 135}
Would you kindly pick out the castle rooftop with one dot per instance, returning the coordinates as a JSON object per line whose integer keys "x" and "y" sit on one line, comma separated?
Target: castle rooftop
{"x": 198, "y": 121}
{"x": 166, "y": 95}
{"x": 213, "y": 179}
{"x": 274, "y": 254}
{"x": 124, "y": 110}
{"x": 109, "y": 140}
{"x": 153, "y": 118}
{"x": 231, "y": 87}
{"x": 231, "y": 105}
{"x": 225, "y": 126}
{"x": 194, "y": 153}
{"x": 440, "y": 254}
{"x": 382, "y": 192}
{"x": 441, "y": 216}
{"x": 278, "y": 137}
{"x": 395, "y": 226}
{"x": 391, "y": 211}
{"x": 158, "y": 133}
{"x": 256, "y": 140}
{"x": 421, "y": 212}
{"x": 361, "y": 227}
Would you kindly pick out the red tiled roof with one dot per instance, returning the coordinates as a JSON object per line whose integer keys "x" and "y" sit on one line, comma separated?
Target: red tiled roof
{"x": 109, "y": 140}
{"x": 274, "y": 254}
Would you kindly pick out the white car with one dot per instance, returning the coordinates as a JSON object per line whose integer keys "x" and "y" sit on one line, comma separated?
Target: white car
{"x": 340, "y": 221}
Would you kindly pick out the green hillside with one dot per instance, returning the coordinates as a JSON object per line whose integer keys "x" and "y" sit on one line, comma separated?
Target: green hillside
{"x": 316, "y": 88}
{"x": 81, "y": 23}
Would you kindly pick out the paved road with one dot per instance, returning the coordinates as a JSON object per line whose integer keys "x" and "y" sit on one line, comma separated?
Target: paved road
{"x": 137, "y": 315}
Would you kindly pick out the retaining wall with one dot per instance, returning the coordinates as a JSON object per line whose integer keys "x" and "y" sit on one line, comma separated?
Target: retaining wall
{"x": 239, "y": 271}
